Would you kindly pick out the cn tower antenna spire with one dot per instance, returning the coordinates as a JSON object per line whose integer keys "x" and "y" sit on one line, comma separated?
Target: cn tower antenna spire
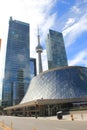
{"x": 38, "y": 29}
{"x": 39, "y": 50}
{"x": 38, "y": 35}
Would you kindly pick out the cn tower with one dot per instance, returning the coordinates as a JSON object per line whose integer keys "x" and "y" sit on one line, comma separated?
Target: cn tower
{"x": 39, "y": 50}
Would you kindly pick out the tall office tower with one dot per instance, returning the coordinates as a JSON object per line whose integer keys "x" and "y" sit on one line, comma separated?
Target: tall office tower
{"x": 20, "y": 84}
{"x": 17, "y": 64}
{"x": 56, "y": 54}
{"x": 39, "y": 50}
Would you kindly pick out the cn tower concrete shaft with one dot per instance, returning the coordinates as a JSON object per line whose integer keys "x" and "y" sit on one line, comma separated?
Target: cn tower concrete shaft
{"x": 39, "y": 50}
{"x": 40, "y": 62}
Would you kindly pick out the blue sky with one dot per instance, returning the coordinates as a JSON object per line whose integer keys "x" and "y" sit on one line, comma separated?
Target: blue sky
{"x": 66, "y": 16}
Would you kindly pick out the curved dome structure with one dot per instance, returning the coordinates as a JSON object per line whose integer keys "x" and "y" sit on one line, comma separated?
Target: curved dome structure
{"x": 64, "y": 83}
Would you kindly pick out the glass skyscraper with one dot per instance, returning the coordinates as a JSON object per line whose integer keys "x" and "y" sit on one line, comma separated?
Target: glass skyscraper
{"x": 17, "y": 64}
{"x": 56, "y": 54}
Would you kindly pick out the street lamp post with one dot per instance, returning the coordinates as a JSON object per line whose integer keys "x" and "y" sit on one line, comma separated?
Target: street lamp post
{"x": 35, "y": 110}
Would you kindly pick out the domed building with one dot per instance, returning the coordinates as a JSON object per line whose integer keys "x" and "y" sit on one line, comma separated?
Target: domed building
{"x": 64, "y": 83}
{"x": 53, "y": 90}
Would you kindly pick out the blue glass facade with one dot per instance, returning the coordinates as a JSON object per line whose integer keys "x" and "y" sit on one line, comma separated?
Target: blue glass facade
{"x": 64, "y": 83}
{"x": 17, "y": 64}
{"x": 56, "y": 54}
{"x": 33, "y": 71}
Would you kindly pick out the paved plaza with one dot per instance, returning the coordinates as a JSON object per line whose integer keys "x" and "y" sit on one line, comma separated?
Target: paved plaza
{"x": 46, "y": 123}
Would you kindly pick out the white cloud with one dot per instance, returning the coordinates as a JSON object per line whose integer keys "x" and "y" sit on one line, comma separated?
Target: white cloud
{"x": 79, "y": 58}
{"x": 69, "y": 22}
{"x": 75, "y": 9}
{"x": 65, "y": 2}
{"x": 48, "y": 23}
{"x": 72, "y": 32}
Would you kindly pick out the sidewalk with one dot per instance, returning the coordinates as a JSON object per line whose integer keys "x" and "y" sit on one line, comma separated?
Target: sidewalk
{"x": 76, "y": 117}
